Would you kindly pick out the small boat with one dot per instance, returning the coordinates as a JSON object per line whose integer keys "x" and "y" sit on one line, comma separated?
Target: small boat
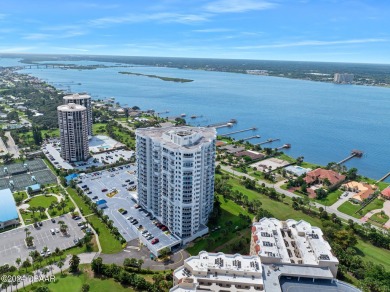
{"x": 183, "y": 115}
{"x": 193, "y": 117}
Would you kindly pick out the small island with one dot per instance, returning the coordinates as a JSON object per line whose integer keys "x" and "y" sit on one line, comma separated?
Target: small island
{"x": 181, "y": 80}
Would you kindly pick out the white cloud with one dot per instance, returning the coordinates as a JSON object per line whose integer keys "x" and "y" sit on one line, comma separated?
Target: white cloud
{"x": 37, "y": 36}
{"x": 234, "y": 6}
{"x": 313, "y": 43}
{"x": 212, "y": 30}
{"x": 159, "y": 17}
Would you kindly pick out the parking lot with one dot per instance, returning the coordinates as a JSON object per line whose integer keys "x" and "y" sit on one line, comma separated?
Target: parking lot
{"x": 52, "y": 152}
{"x": 122, "y": 181}
{"x": 12, "y": 243}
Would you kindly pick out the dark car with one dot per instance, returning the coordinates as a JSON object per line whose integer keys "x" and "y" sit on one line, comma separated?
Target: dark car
{"x": 53, "y": 220}
{"x": 40, "y": 223}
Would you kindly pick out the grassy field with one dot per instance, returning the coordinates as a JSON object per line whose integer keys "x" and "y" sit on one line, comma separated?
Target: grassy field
{"x": 280, "y": 210}
{"x": 84, "y": 208}
{"x": 42, "y": 201}
{"x": 99, "y": 129}
{"x": 379, "y": 218}
{"x": 331, "y": 198}
{"x": 374, "y": 254}
{"x": 351, "y": 209}
{"x": 108, "y": 242}
{"x": 69, "y": 282}
{"x": 228, "y": 221}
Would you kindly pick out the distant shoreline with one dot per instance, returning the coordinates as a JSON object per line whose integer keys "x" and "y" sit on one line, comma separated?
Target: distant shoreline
{"x": 172, "y": 79}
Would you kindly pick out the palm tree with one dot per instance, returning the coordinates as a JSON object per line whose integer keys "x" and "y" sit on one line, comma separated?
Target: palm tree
{"x": 18, "y": 261}
{"x": 60, "y": 264}
{"x": 57, "y": 252}
{"x": 25, "y": 230}
{"x": 45, "y": 249}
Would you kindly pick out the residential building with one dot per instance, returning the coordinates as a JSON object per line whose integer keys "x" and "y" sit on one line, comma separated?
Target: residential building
{"x": 84, "y": 100}
{"x": 219, "y": 272}
{"x": 73, "y": 125}
{"x": 292, "y": 242}
{"x": 8, "y": 213}
{"x": 363, "y": 191}
{"x": 320, "y": 175}
{"x": 176, "y": 177}
{"x": 386, "y": 193}
{"x": 343, "y": 78}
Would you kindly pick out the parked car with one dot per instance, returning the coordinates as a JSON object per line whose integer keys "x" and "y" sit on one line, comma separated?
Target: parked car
{"x": 95, "y": 198}
{"x": 53, "y": 231}
{"x": 104, "y": 190}
{"x": 154, "y": 241}
{"x": 53, "y": 220}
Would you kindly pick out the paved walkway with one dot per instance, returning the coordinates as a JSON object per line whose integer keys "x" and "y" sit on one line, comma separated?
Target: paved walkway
{"x": 85, "y": 258}
{"x": 12, "y": 147}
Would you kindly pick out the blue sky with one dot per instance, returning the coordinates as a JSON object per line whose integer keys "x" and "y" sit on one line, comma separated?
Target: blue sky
{"x": 307, "y": 30}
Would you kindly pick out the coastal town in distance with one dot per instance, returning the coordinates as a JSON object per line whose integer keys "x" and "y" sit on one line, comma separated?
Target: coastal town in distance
{"x": 155, "y": 203}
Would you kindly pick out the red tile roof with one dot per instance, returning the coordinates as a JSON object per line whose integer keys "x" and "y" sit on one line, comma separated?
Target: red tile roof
{"x": 386, "y": 193}
{"x": 321, "y": 174}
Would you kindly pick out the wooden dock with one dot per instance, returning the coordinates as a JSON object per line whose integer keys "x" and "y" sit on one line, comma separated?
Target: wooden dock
{"x": 251, "y": 137}
{"x": 222, "y": 124}
{"x": 239, "y": 131}
{"x": 354, "y": 153}
{"x": 268, "y": 141}
{"x": 285, "y": 146}
{"x": 383, "y": 177}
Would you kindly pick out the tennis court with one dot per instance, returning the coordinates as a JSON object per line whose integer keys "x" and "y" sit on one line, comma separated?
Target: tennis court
{"x": 22, "y": 175}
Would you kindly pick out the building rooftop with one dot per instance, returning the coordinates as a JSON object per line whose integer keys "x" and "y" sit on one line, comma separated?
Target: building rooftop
{"x": 7, "y": 206}
{"x": 180, "y": 137}
{"x": 77, "y": 96}
{"x": 322, "y": 174}
{"x": 222, "y": 267}
{"x": 291, "y": 241}
{"x": 71, "y": 107}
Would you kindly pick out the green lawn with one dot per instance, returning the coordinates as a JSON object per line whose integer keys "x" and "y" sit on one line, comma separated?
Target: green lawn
{"x": 374, "y": 254}
{"x": 52, "y": 133}
{"x": 99, "y": 129}
{"x": 281, "y": 210}
{"x": 20, "y": 196}
{"x": 70, "y": 282}
{"x": 379, "y": 218}
{"x": 42, "y": 201}
{"x": 331, "y": 198}
{"x": 228, "y": 221}
{"x": 108, "y": 242}
{"x": 350, "y": 209}
{"x": 84, "y": 208}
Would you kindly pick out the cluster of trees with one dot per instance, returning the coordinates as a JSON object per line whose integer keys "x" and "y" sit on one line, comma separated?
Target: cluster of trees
{"x": 372, "y": 277}
{"x": 122, "y": 275}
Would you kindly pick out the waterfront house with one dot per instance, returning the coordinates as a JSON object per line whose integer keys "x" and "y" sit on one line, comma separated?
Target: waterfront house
{"x": 386, "y": 193}
{"x": 363, "y": 191}
{"x": 319, "y": 175}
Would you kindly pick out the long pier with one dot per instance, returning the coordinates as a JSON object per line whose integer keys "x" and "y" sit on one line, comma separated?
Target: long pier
{"x": 383, "y": 177}
{"x": 222, "y": 124}
{"x": 251, "y": 137}
{"x": 239, "y": 131}
{"x": 354, "y": 153}
{"x": 268, "y": 141}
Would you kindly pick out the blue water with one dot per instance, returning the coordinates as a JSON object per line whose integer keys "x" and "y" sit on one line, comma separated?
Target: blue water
{"x": 322, "y": 121}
